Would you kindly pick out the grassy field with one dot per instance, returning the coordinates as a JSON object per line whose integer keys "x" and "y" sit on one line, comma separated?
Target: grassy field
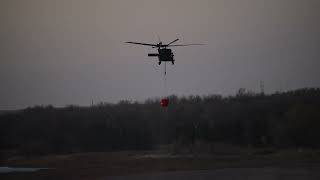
{"x": 100, "y": 164}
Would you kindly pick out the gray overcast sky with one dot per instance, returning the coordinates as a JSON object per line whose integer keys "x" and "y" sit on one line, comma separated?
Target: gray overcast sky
{"x": 72, "y": 51}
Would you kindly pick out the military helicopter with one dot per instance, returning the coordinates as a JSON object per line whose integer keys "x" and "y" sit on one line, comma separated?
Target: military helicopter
{"x": 164, "y": 54}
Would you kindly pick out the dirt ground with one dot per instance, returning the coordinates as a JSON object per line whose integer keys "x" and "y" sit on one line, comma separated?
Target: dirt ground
{"x": 97, "y": 165}
{"x": 263, "y": 173}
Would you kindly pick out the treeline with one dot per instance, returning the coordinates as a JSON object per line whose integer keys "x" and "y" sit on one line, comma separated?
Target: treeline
{"x": 288, "y": 119}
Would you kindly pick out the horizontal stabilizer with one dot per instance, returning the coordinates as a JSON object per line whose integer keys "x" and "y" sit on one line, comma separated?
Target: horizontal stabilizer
{"x": 153, "y": 54}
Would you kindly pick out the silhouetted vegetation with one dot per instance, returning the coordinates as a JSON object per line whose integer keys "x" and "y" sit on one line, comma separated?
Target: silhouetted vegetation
{"x": 282, "y": 120}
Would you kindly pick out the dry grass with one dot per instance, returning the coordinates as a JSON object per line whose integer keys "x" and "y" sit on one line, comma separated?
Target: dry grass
{"x": 100, "y": 164}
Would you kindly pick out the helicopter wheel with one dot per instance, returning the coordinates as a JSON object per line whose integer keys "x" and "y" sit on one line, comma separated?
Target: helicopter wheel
{"x": 159, "y": 62}
{"x": 172, "y": 62}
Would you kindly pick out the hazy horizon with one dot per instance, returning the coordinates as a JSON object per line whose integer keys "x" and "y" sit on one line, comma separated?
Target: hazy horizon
{"x": 73, "y": 52}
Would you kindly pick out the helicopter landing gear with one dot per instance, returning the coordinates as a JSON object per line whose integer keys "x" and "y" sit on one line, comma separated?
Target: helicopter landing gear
{"x": 172, "y": 62}
{"x": 159, "y": 62}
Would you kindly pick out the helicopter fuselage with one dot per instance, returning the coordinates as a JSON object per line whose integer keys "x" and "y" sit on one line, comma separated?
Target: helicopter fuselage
{"x": 164, "y": 55}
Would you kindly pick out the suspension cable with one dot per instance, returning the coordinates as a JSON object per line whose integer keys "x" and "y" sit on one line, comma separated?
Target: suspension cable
{"x": 165, "y": 79}
{"x": 165, "y": 69}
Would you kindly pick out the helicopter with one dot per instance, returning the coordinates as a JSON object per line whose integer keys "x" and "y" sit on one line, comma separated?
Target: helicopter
{"x": 164, "y": 53}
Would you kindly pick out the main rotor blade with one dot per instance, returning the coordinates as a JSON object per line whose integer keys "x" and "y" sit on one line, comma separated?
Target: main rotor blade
{"x": 185, "y": 45}
{"x": 144, "y": 44}
{"x": 172, "y": 42}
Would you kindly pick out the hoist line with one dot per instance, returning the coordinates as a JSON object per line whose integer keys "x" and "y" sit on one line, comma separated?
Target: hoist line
{"x": 165, "y": 79}
{"x": 166, "y": 109}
